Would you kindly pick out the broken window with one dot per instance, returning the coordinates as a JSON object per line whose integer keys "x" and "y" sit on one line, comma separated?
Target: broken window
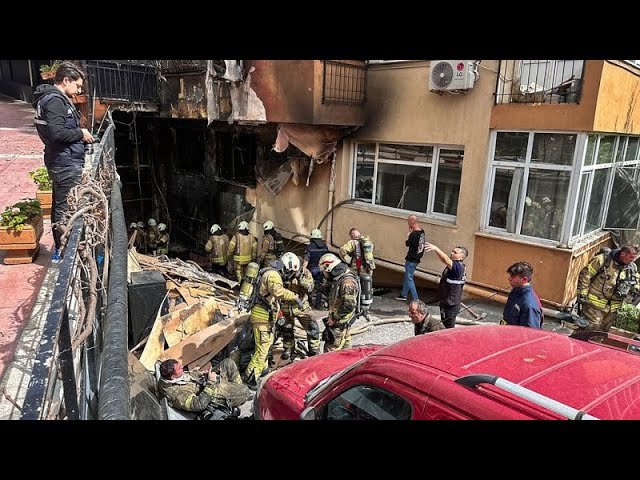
{"x": 236, "y": 158}
{"x": 417, "y": 178}
{"x": 189, "y": 148}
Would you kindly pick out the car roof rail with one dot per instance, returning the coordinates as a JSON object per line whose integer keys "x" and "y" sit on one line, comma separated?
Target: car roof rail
{"x": 566, "y": 411}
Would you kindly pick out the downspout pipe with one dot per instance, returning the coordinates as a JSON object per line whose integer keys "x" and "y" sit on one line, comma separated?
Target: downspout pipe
{"x": 114, "y": 396}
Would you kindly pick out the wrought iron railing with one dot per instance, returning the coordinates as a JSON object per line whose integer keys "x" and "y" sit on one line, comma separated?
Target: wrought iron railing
{"x": 86, "y": 379}
{"x": 124, "y": 82}
{"x": 539, "y": 81}
{"x": 344, "y": 83}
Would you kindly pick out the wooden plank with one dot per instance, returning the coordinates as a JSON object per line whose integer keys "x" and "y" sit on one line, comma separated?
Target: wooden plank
{"x": 155, "y": 344}
{"x": 179, "y": 324}
{"x": 211, "y": 339}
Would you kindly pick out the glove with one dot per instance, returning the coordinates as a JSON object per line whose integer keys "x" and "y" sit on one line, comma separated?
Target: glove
{"x": 300, "y": 303}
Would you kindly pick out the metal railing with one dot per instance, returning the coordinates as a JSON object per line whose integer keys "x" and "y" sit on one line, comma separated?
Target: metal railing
{"x": 539, "y": 81}
{"x": 86, "y": 380}
{"x": 344, "y": 83}
{"x": 125, "y": 82}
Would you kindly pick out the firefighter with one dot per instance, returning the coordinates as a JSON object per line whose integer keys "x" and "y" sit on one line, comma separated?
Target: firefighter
{"x": 137, "y": 238}
{"x": 163, "y": 241}
{"x": 272, "y": 244}
{"x": 604, "y": 284}
{"x": 270, "y": 292}
{"x": 357, "y": 253}
{"x": 301, "y": 284}
{"x": 217, "y": 246}
{"x": 312, "y": 253}
{"x": 153, "y": 236}
{"x": 244, "y": 248}
{"x": 343, "y": 303}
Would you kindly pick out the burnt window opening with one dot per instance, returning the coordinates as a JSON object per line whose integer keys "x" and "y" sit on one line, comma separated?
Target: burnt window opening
{"x": 236, "y": 158}
{"x": 189, "y": 149}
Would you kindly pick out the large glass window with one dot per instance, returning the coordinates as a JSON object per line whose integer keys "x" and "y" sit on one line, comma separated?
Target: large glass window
{"x": 530, "y": 197}
{"x": 418, "y": 178}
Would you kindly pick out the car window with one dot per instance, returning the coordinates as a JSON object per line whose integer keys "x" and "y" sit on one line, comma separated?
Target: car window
{"x": 364, "y": 402}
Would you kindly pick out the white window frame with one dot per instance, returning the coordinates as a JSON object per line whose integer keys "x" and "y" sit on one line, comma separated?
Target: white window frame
{"x": 577, "y": 168}
{"x": 433, "y": 176}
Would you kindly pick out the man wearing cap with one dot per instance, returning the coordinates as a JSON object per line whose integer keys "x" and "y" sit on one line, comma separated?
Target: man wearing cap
{"x": 244, "y": 249}
{"x": 314, "y": 250}
{"x": 217, "y": 247}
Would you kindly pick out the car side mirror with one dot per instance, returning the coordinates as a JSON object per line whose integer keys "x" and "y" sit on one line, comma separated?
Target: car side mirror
{"x": 308, "y": 413}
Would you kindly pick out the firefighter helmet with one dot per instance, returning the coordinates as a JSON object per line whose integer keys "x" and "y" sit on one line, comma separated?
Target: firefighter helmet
{"x": 214, "y": 228}
{"x": 162, "y": 227}
{"x": 316, "y": 233}
{"x": 291, "y": 264}
{"x": 140, "y": 224}
{"x": 243, "y": 225}
{"x": 152, "y": 222}
{"x": 328, "y": 262}
{"x": 133, "y": 225}
{"x": 268, "y": 225}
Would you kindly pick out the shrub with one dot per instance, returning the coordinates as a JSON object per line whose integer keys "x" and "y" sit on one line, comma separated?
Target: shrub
{"x": 627, "y": 318}
{"x": 53, "y": 67}
{"x": 20, "y": 214}
{"x": 40, "y": 177}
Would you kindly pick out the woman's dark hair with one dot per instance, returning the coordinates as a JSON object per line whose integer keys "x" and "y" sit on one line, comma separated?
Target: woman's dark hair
{"x": 69, "y": 69}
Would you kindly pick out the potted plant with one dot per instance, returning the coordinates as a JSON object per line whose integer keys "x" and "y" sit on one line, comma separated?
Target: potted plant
{"x": 40, "y": 177}
{"x": 21, "y": 227}
{"x": 48, "y": 72}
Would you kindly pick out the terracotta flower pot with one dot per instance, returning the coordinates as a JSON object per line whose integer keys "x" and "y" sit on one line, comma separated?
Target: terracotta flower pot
{"x": 47, "y": 75}
{"x": 45, "y": 202}
{"x": 22, "y": 245}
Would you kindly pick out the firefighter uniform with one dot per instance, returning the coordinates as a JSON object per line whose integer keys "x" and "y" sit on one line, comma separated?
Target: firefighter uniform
{"x": 153, "y": 238}
{"x": 358, "y": 254}
{"x": 218, "y": 248}
{"x": 244, "y": 249}
{"x": 603, "y": 285}
{"x": 192, "y": 395}
{"x": 263, "y": 315}
{"x": 302, "y": 285}
{"x": 163, "y": 244}
{"x": 343, "y": 303}
{"x": 269, "y": 250}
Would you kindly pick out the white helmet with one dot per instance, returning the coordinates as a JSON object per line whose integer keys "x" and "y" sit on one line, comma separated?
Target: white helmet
{"x": 162, "y": 227}
{"x": 328, "y": 262}
{"x": 291, "y": 263}
{"x": 316, "y": 233}
{"x": 243, "y": 225}
{"x": 214, "y": 228}
{"x": 152, "y": 222}
{"x": 133, "y": 225}
{"x": 268, "y": 225}
{"x": 140, "y": 224}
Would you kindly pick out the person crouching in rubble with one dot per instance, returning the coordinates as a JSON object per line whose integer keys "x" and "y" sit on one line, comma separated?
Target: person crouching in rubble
{"x": 217, "y": 247}
{"x": 191, "y": 393}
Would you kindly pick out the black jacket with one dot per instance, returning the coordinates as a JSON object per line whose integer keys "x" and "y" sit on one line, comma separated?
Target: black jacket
{"x": 58, "y": 125}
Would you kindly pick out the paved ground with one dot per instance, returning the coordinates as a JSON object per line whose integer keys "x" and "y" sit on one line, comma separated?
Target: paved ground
{"x": 20, "y": 152}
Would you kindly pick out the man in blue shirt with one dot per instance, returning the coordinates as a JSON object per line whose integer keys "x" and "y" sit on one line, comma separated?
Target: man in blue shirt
{"x": 452, "y": 281}
{"x": 523, "y": 305}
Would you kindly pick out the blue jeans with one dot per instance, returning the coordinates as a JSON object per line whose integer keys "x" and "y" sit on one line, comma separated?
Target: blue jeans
{"x": 408, "y": 285}
{"x": 63, "y": 179}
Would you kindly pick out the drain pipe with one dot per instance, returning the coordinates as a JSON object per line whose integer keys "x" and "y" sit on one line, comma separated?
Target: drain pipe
{"x": 496, "y": 295}
{"x": 332, "y": 189}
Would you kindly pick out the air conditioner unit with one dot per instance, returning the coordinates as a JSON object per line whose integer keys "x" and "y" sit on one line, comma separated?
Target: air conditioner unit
{"x": 452, "y": 75}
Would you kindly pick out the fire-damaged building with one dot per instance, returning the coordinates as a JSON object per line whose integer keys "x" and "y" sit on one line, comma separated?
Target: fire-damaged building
{"x": 531, "y": 160}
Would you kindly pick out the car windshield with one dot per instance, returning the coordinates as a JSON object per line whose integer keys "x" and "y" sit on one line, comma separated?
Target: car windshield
{"x": 311, "y": 394}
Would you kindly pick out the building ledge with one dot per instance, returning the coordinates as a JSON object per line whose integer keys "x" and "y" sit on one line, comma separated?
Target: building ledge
{"x": 403, "y": 214}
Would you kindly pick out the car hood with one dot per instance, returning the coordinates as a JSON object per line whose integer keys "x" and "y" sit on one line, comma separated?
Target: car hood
{"x": 299, "y": 377}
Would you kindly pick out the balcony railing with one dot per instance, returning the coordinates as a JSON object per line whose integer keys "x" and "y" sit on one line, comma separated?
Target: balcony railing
{"x": 344, "y": 83}
{"x": 123, "y": 81}
{"x": 539, "y": 81}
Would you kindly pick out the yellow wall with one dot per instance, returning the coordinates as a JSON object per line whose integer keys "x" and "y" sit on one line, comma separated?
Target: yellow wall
{"x": 401, "y": 109}
{"x": 620, "y": 86}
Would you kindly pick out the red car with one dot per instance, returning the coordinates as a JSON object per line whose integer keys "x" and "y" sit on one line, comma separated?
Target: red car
{"x": 481, "y": 372}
